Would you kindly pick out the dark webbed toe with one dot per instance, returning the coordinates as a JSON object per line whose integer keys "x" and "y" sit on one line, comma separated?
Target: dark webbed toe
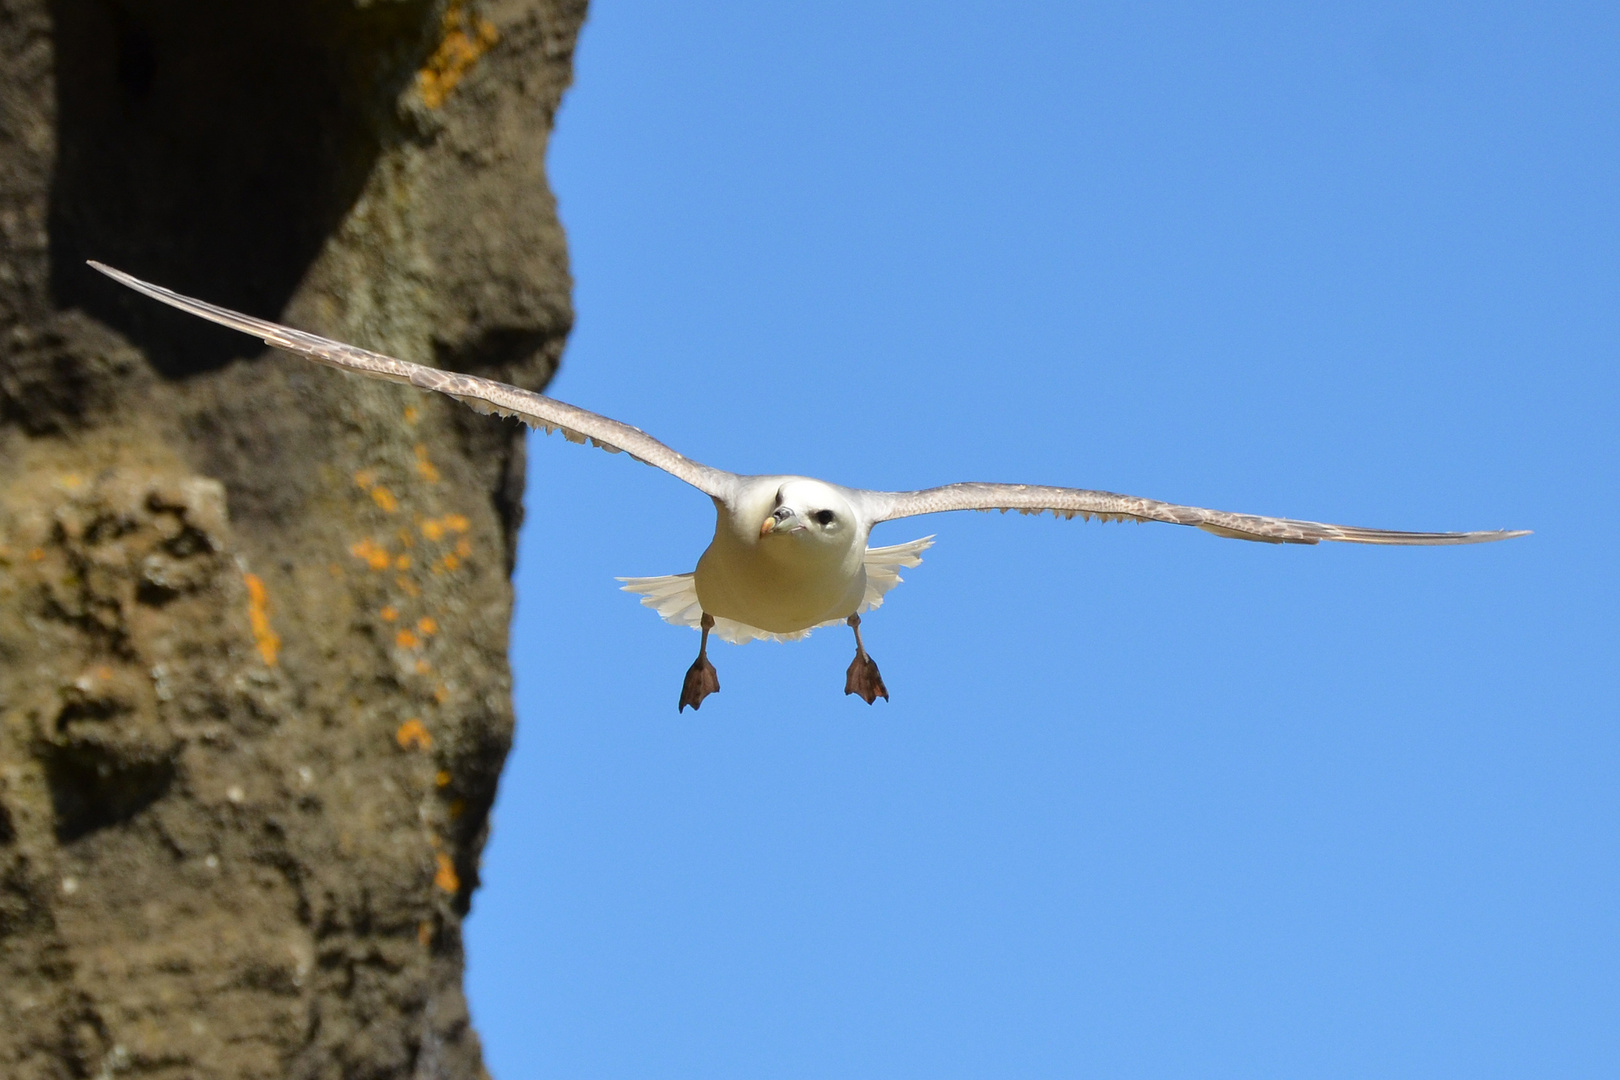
{"x": 701, "y": 681}
{"x": 862, "y": 679}
{"x": 701, "y": 678}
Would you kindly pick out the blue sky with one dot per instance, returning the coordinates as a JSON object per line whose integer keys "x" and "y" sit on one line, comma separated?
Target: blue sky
{"x": 1145, "y": 803}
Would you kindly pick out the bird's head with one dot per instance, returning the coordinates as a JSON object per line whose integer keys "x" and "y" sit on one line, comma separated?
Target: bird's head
{"x": 809, "y": 512}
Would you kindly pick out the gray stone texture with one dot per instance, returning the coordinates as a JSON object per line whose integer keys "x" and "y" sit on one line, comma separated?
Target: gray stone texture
{"x": 254, "y": 694}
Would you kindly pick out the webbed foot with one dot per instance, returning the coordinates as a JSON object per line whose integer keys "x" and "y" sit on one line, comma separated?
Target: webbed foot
{"x": 701, "y": 678}
{"x": 701, "y": 681}
{"x": 862, "y": 678}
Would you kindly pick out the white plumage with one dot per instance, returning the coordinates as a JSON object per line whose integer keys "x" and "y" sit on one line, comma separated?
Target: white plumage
{"x": 675, "y": 598}
{"x": 789, "y": 553}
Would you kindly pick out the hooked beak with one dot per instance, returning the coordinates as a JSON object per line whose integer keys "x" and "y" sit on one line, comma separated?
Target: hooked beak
{"x": 783, "y": 520}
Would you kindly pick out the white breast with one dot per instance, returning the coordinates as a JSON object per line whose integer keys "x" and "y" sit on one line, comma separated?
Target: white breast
{"x": 674, "y": 596}
{"x": 781, "y": 595}
{"x": 778, "y": 587}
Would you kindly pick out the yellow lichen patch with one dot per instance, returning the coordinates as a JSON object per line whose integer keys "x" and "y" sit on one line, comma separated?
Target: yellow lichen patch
{"x": 433, "y": 529}
{"x": 427, "y": 626}
{"x": 423, "y": 667}
{"x": 442, "y": 778}
{"x": 457, "y": 523}
{"x": 407, "y": 640}
{"x": 403, "y": 562}
{"x": 411, "y": 414}
{"x": 72, "y": 481}
{"x": 365, "y": 478}
{"x": 413, "y": 735}
{"x": 446, "y": 878}
{"x": 389, "y": 613}
{"x": 467, "y": 36}
{"x": 425, "y": 468}
{"x": 374, "y": 554}
{"x": 268, "y": 641}
{"x": 385, "y": 499}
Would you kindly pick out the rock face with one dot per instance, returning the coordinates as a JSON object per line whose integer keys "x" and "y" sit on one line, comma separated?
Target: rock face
{"x": 254, "y": 694}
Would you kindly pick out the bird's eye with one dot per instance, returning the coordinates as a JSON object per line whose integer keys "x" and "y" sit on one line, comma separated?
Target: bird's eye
{"x": 823, "y": 517}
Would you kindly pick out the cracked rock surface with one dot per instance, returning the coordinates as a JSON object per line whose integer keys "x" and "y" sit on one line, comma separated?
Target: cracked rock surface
{"x": 254, "y": 695}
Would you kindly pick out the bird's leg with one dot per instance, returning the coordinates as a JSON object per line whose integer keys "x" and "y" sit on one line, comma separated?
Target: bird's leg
{"x": 701, "y": 678}
{"x": 862, "y": 678}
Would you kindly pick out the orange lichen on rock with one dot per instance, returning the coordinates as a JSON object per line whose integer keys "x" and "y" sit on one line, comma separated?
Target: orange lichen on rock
{"x": 425, "y": 468}
{"x": 464, "y": 547}
{"x": 427, "y": 626}
{"x": 442, "y": 778}
{"x": 457, "y": 523}
{"x": 389, "y": 613}
{"x": 407, "y": 640}
{"x": 403, "y": 562}
{"x": 446, "y": 878}
{"x": 411, "y": 413}
{"x": 385, "y": 499}
{"x": 268, "y": 641}
{"x": 413, "y": 735}
{"x": 374, "y": 554}
{"x": 467, "y": 36}
{"x": 423, "y": 667}
{"x": 365, "y": 478}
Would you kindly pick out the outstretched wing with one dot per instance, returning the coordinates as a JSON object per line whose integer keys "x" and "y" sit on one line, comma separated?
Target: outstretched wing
{"x": 1107, "y": 506}
{"x": 484, "y": 395}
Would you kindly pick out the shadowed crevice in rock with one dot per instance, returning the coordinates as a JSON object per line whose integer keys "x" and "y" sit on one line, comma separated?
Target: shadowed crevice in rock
{"x": 91, "y": 790}
{"x": 213, "y": 147}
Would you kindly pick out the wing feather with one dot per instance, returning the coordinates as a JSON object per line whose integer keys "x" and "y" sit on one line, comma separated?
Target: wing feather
{"x": 484, "y": 395}
{"x": 1108, "y": 506}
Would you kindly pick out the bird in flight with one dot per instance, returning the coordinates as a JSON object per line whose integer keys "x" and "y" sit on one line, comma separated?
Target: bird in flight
{"x": 789, "y": 553}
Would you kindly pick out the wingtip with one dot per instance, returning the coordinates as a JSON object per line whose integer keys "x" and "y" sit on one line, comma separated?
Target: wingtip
{"x": 112, "y": 272}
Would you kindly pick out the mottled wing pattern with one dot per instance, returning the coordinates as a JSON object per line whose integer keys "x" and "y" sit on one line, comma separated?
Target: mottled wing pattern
{"x": 484, "y": 395}
{"x": 1108, "y": 506}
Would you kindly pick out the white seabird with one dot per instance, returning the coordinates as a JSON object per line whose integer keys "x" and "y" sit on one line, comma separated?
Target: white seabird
{"x": 789, "y": 553}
